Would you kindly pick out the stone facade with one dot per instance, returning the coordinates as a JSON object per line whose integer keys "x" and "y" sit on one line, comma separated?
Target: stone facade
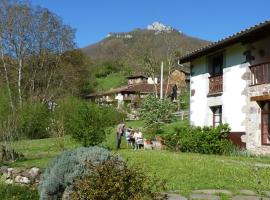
{"x": 253, "y": 122}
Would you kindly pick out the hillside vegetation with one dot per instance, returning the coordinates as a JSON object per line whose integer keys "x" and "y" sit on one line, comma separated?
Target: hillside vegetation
{"x": 113, "y": 80}
{"x": 134, "y": 50}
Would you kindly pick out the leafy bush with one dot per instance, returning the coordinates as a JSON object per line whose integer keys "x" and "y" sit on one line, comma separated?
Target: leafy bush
{"x": 122, "y": 183}
{"x": 207, "y": 140}
{"x": 88, "y": 123}
{"x": 17, "y": 192}
{"x": 156, "y": 112}
{"x": 34, "y": 120}
{"x": 72, "y": 164}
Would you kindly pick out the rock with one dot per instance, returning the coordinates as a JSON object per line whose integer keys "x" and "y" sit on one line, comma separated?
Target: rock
{"x": 247, "y": 192}
{"x": 3, "y": 169}
{"x": 204, "y": 197}
{"x": 243, "y": 197}
{"x": 16, "y": 172}
{"x": 17, "y": 179}
{"x": 9, "y": 172}
{"x": 9, "y": 181}
{"x": 22, "y": 179}
{"x": 34, "y": 172}
{"x": 25, "y": 180}
{"x": 159, "y": 27}
{"x": 25, "y": 173}
{"x": 213, "y": 191}
{"x": 175, "y": 197}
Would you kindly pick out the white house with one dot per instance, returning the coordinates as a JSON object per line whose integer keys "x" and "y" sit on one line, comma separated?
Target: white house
{"x": 230, "y": 83}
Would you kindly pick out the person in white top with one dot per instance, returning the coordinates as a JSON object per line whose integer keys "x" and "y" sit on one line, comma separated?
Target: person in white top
{"x": 138, "y": 139}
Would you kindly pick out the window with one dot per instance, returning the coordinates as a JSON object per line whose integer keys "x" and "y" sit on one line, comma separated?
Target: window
{"x": 216, "y": 65}
{"x": 265, "y": 106}
{"x": 217, "y": 115}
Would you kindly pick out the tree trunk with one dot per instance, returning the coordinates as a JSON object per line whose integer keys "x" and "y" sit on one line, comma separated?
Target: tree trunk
{"x": 7, "y": 81}
{"x": 19, "y": 82}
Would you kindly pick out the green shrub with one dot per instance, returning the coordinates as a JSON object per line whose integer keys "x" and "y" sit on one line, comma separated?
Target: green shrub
{"x": 72, "y": 164}
{"x": 17, "y": 192}
{"x": 155, "y": 112}
{"x": 114, "y": 180}
{"x": 89, "y": 122}
{"x": 207, "y": 140}
{"x": 34, "y": 121}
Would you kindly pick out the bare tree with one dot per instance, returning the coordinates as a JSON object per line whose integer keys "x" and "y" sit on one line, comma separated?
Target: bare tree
{"x": 33, "y": 39}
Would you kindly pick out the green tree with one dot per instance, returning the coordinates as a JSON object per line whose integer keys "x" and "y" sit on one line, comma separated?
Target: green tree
{"x": 89, "y": 122}
{"x": 156, "y": 112}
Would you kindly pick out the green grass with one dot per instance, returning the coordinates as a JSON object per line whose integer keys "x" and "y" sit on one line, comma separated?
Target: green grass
{"x": 39, "y": 152}
{"x": 182, "y": 171}
{"x": 17, "y": 192}
{"x": 113, "y": 80}
{"x": 187, "y": 171}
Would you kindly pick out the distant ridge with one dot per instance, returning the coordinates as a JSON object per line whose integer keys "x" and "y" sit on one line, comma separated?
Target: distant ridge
{"x": 127, "y": 46}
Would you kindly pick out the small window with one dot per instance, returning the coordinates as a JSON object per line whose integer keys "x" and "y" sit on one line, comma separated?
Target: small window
{"x": 216, "y": 65}
{"x": 217, "y": 115}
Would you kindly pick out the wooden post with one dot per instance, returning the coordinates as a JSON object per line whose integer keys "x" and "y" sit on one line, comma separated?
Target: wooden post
{"x": 161, "y": 81}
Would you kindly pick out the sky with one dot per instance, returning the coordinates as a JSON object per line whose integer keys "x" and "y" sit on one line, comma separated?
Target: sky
{"x": 207, "y": 19}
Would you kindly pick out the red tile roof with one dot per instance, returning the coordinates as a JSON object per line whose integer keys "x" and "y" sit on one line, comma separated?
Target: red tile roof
{"x": 142, "y": 88}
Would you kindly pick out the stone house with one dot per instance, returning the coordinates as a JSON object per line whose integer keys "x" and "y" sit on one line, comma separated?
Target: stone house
{"x": 137, "y": 79}
{"x": 230, "y": 83}
{"x": 137, "y": 88}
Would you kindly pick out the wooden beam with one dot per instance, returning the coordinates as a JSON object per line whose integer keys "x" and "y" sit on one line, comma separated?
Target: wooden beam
{"x": 260, "y": 98}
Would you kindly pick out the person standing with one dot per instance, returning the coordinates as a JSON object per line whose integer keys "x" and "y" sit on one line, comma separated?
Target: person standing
{"x": 138, "y": 139}
{"x": 119, "y": 134}
{"x": 174, "y": 92}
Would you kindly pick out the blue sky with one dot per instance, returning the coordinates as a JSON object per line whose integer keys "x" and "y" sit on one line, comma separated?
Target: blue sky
{"x": 206, "y": 19}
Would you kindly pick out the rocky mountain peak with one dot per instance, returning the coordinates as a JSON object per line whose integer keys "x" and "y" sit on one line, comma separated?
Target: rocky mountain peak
{"x": 159, "y": 27}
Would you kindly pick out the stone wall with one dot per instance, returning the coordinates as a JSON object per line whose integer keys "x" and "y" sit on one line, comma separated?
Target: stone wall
{"x": 27, "y": 176}
{"x": 253, "y": 117}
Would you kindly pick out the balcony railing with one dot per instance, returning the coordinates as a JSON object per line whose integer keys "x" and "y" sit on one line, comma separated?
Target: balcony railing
{"x": 215, "y": 84}
{"x": 260, "y": 73}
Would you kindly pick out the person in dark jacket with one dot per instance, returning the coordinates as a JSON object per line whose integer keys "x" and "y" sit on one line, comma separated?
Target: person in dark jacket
{"x": 174, "y": 92}
{"x": 119, "y": 134}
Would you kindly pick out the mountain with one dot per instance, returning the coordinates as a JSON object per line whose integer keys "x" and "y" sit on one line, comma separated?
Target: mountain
{"x": 130, "y": 46}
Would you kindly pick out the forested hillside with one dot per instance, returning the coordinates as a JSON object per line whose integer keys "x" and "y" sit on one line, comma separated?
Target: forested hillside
{"x": 139, "y": 52}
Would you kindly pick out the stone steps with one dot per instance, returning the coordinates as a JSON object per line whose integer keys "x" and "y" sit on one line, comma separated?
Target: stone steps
{"x": 214, "y": 194}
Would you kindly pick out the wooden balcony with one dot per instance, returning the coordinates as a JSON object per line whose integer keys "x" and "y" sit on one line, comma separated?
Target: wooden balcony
{"x": 260, "y": 73}
{"x": 215, "y": 84}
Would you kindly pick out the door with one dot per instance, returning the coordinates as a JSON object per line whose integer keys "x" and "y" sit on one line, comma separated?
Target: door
{"x": 265, "y": 123}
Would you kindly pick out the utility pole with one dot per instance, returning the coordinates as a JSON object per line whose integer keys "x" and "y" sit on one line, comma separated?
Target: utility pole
{"x": 161, "y": 81}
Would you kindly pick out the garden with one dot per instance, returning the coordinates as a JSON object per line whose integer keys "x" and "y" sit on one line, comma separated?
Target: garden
{"x": 195, "y": 158}
{"x": 55, "y": 144}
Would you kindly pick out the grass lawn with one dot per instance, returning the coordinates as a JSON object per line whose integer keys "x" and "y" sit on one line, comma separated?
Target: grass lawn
{"x": 113, "y": 80}
{"x": 188, "y": 171}
{"x": 182, "y": 171}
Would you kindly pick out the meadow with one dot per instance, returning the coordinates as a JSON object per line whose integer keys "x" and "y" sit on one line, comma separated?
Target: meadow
{"x": 182, "y": 172}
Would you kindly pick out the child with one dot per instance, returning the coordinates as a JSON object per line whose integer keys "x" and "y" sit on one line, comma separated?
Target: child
{"x": 138, "y": 139}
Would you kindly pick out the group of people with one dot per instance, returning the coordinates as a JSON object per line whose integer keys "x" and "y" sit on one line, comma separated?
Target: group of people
{"x": 133, "y": 137}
